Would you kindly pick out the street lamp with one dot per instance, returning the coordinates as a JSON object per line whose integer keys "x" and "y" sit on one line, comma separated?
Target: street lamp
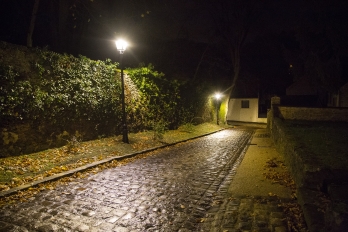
{"x": 121, "y": 46}
{"x": 217, "y": 97}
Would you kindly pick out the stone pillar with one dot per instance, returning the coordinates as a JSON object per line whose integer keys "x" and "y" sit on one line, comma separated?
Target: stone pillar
{"x": 275, "y": 101}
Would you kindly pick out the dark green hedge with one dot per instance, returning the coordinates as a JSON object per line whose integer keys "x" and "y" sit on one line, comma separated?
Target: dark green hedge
{"x": 56, "y": 90}
{"x": 46, "y": 98}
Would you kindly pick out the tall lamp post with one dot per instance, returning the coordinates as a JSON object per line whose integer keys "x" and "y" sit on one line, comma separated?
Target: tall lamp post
{"x": 217, "y": 97}
{"x": 121, "y": 46}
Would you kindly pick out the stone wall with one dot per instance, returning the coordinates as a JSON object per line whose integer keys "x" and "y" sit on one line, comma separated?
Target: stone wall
{"x": 312, "y": 179}
{"x": 308, "y": 178}
{"x": 333, "y": 114}
{"x": 305, "y": 172}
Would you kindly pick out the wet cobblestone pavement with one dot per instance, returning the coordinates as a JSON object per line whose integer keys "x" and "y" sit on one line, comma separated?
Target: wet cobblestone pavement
{"x": 181, "y": 188}
{"x": 244, "y": 214}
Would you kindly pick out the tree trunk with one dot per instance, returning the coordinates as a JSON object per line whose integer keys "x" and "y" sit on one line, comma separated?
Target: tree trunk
{"x": 32, "y": 24}
{"x": 236, "y": 71}
{"x": 60, "y": 34}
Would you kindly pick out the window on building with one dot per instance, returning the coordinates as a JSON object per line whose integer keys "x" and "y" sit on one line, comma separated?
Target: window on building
{"x": 245, "y": 103}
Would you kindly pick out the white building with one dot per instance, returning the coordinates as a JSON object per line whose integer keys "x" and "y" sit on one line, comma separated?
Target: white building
{"x": 243, "y": 105}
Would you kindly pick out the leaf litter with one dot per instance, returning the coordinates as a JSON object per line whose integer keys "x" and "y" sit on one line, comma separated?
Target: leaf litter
{"x": 277, "y": 172}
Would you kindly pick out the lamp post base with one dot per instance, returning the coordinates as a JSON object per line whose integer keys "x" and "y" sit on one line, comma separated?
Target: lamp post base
{"x": 125, "y": 135}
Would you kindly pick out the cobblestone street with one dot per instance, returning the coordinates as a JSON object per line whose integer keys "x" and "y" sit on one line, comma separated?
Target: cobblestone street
{"x": 180, "y": 188}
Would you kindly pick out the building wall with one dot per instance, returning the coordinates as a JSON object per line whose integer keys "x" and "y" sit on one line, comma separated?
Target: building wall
{"x": 237, "y": 113}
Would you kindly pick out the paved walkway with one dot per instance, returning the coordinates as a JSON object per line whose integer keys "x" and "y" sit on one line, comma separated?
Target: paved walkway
{"x": 186, "y": 187}
{"x": 250, "y": 202}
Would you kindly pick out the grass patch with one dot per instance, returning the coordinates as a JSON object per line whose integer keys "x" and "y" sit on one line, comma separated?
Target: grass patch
{"x": 324, "y": 142}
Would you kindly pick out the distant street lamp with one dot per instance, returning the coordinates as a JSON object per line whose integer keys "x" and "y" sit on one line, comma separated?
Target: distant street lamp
{"x": 121, "y": 46}
{"x": 217, "y": 97}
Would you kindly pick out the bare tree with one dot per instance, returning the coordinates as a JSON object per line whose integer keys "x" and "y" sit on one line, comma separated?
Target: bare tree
{"x": 32, "y": 23}
{"x": 322, "y": 44}
{"x": 233, "y": 20}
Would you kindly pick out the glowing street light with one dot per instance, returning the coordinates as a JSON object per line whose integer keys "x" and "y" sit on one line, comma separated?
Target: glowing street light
{"x": 217, "y": 97}
{"x": 121, "y": 46}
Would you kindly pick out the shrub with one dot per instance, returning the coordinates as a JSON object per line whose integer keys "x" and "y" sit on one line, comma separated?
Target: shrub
{"x": 159, "y": 129}
{"x": 188, "y": 127}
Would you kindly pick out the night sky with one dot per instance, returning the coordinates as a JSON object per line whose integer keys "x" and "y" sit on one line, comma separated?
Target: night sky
{"x": 177, "y": 36}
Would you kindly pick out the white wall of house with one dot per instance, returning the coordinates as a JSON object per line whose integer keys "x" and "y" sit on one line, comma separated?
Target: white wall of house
{"x": 244, "y": 110}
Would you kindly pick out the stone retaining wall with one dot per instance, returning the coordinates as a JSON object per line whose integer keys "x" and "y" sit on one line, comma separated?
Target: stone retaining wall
{"x": 305, "y": 172}
{"x": 333, "y": 114}
{"x": 312, "y": 180}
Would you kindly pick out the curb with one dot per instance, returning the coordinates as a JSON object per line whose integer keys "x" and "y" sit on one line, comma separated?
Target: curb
{"x": 94, "y": 164}
{"x": 308, "y": 199}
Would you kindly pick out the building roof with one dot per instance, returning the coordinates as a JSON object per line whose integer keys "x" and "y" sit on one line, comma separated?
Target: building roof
{"x": 302, "y": 86}
{"x": 244, "y": 90}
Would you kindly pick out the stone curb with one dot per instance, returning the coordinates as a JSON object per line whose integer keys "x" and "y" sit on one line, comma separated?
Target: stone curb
{"x": 315, "y": 219}
{"x": 94, "y": 164}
